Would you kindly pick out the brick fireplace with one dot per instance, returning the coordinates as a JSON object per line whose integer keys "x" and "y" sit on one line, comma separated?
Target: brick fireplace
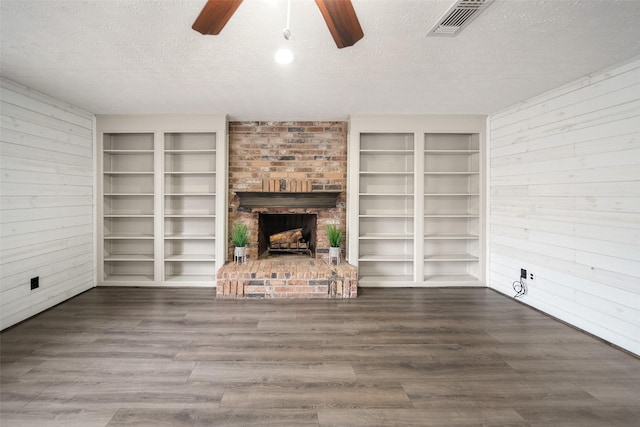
{"x": 286, "y": 157}
{"x": 296, "y": 171}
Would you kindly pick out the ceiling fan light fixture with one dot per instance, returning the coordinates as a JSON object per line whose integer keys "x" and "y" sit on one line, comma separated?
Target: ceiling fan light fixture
{"x": 339, "y": 15}
{"x": 284, "y": 56}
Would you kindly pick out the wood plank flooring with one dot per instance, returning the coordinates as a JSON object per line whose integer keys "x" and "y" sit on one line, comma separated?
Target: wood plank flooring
{"x": 392, "y": 357}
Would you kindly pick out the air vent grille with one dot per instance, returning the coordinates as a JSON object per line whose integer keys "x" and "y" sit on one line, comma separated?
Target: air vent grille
{"x": 458, "y": 17}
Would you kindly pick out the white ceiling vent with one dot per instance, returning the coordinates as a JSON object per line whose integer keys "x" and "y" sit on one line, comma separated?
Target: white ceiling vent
{"x": 458, "y": 16}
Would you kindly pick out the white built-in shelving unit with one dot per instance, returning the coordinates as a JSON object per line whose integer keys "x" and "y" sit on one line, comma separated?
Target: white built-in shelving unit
{"x": 189, "y": 206}
{"x": 451, "y": 207}
{"x": 162, "y": 203}
{"x": 386, "y": 206}
{"x": 127, "y": 205}
{"x": 416, "y": 200}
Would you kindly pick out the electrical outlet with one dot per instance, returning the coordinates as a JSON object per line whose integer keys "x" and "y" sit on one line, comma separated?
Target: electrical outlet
{"x": 35, "y": 282}
{"x": 531, "y": 277}
{"x": 523, "y": 273}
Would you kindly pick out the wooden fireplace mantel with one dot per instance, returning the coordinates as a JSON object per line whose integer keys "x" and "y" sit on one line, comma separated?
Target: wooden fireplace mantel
{"x": 267, "y": 199}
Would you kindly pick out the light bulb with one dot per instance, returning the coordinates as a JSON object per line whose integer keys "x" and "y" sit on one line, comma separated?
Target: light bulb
{"x": 284, "y": 56}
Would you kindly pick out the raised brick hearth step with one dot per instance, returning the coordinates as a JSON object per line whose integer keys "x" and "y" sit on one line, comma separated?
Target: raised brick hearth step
{"x": 287, "y": 277}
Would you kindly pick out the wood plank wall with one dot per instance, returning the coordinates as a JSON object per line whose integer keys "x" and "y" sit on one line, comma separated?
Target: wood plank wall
{"x": 46, "y": 209}
{"x": 565, "y": 203}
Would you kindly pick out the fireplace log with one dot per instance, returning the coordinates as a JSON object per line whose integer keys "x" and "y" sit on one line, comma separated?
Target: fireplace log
{"x": 287, "y": 237}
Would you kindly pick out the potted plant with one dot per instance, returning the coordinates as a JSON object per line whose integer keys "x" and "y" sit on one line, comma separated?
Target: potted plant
{"x": 239, "y": 238}
{"x": 334, "y": 234}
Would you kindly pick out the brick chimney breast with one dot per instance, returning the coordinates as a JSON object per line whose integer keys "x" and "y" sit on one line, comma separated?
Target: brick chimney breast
{"x": 290, "y": 155}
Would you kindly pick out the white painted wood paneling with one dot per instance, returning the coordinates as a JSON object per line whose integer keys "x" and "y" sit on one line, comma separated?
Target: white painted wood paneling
{"x": 47, "y": 220}
{"x": 565, "y": 203}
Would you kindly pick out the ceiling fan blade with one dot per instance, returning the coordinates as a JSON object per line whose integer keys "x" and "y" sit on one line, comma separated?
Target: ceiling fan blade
{"x": 342, "y": 21}
{"x": 215, "y": 15}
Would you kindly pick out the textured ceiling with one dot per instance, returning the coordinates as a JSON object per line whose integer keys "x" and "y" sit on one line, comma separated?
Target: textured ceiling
{"x": 142, "y": 57}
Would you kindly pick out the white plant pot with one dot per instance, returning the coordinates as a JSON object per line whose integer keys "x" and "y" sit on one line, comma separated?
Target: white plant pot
{"x": 240, "y": 255}
{"x": 334, "y": 255}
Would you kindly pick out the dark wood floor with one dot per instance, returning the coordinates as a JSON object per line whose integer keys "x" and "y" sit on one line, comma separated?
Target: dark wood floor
{"x": 393, "y": 357}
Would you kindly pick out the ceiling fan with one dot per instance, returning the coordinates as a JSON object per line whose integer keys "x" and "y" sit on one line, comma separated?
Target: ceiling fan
{"x": 338, "y": 14}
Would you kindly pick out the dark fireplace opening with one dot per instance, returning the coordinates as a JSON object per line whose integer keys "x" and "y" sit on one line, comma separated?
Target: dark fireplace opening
{"x": 289, "y": 233}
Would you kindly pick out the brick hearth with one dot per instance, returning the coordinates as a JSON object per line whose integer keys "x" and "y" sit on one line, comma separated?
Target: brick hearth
{"x": 287, "y": 277}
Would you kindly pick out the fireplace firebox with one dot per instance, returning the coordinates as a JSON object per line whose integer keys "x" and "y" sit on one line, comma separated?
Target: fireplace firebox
{"x": 290, "y": 233}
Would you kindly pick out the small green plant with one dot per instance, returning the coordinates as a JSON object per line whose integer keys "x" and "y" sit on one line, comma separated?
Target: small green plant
{"x": 334, "y": 234}
{"x": 239, "y": 235}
